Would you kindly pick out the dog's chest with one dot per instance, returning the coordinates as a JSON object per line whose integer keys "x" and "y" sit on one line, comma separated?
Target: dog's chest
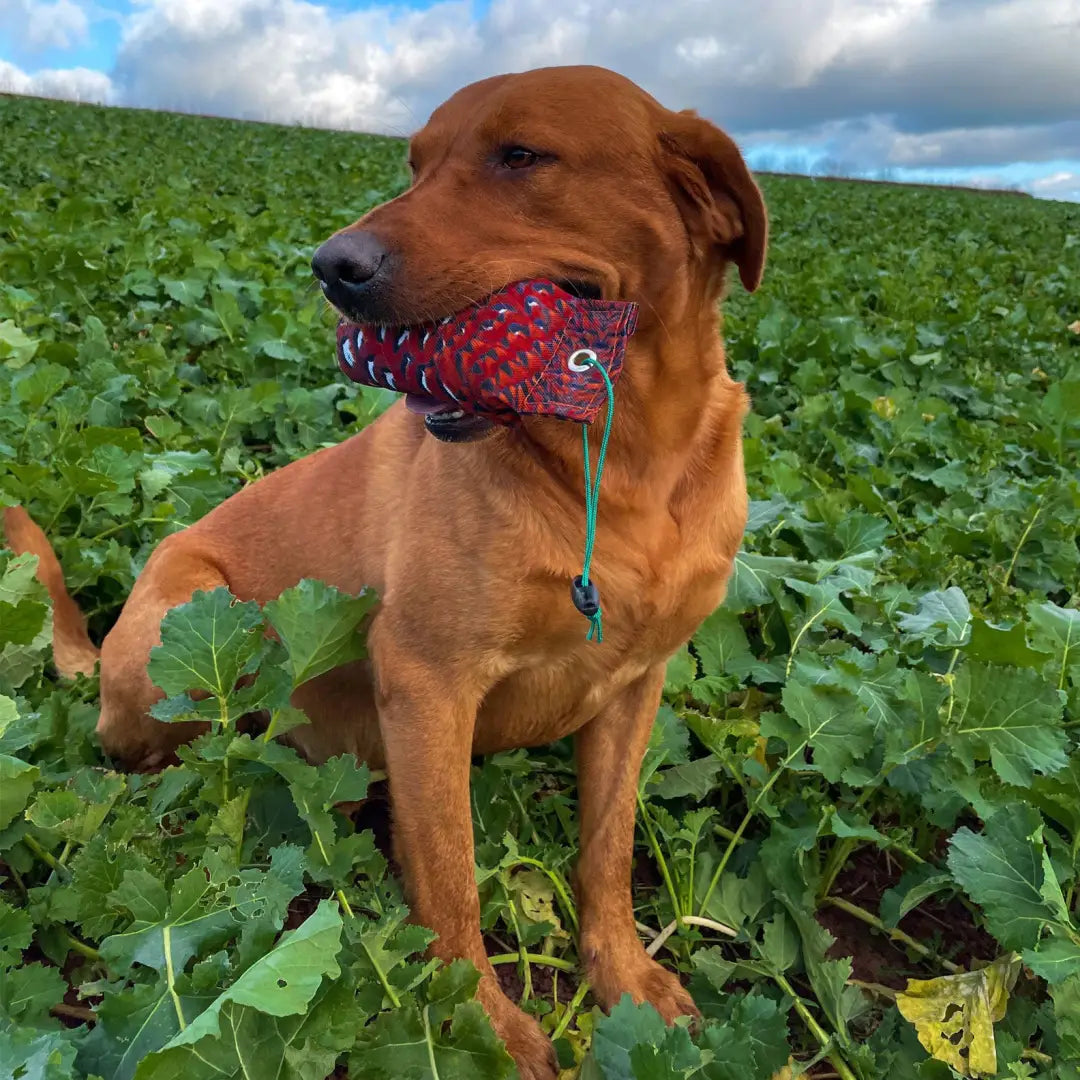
{"x": 652, "y": 603}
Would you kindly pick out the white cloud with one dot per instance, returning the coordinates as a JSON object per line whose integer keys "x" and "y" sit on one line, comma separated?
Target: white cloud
{"x": 72, "y": 84}
{"x": 921, "y": 66}
{"x": 37, "y": 24}
{"x": 1059, "y": 185}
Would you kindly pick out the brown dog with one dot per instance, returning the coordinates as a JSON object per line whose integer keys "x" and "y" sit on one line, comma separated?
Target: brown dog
{"x": 571, "y": 174}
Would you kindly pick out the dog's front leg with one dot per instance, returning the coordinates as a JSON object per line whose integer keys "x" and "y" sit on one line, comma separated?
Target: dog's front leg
{"x": 609, "y": 752}
{"x": 427, "y": 730}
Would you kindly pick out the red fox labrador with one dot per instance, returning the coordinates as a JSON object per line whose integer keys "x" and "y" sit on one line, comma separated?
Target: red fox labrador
{"x": 472, "y": 534}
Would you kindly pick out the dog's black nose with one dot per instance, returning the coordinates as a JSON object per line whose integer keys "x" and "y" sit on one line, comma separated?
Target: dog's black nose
{"x": 347, "y": 264}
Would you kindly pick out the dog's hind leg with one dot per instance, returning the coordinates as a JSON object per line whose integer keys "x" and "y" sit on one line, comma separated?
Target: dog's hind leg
{"x": 609, "y": 752}
{"x": 176, "y": 570}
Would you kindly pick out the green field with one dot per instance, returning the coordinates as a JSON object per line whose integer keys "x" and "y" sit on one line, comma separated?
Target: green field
{"x": 876, "y": 740}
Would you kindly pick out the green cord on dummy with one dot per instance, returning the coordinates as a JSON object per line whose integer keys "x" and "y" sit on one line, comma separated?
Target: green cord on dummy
{"x": 585, "y": 594}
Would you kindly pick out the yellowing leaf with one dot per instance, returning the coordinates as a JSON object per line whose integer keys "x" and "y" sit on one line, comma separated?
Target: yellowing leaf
{"x": 954, "y": 1015}
{"x": 535, "y": 898}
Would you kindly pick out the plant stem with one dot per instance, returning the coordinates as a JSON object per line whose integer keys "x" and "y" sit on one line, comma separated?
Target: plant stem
{"x": 556, "y": 962}
{"x": 799, "y": 636}
{"x": 74, "y": 1012}
{"x": 430, "y": 1044}
{"x": 659, "y": 856}
{"x": 80, "y": 947}
{"x": 1023, "y": 539}
{"x": 130, "y": 525}
{"x": 894, "y": 935}
{"x": 269, "y": 732}
{"x": 571, "y": 1010}
{"x": 170, "y": 976}
{"x": 825, "y": 1041}
{"x": 726, "y": 834}
{"x": 45, "y": 856}
{"x": 526, "y": 975}
{"x": 390, "y": 992}
{"x": 736, "y": 837}
{"x": 659, "y": 940}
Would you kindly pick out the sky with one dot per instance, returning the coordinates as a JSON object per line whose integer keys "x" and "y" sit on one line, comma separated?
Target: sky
{"x": 977, "y": 92}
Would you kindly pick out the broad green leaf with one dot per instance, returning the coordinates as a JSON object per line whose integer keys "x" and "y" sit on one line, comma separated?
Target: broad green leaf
{"x": 335, "y": 848}
{"x": 738, "y": 900}
{"x": 184, "y": 290}
{"x": 722, "y": 647}
{"x": 751, "y": 1042}
{"x": 1003, "y": 870}
{"x": 32, "y": 1054}
{"x": 780, "y": 943}
{"x": 615, "y": 1035}
{"x": 828, "y": 977}
{"x": 1055, "y": 960}
{"x": 823, "y": 605}
{"x": 379, "y": 951}
{"x": 284, "y": 981}
{"x": 443, "y": 1037}
{"x": 9, "y": 713}
{"x": 16, "y": 932}
{"x": 1011, "y": 716}
{"x": 695, "y": 779}
{"x": 942, "y": 619}
{"x": 207, "y": 644}
{"x": 199, "y": 916}
{"x": 1066, "y": 997}
{"x": 25, "y": 621}
{"x": 27, "y": 993}
{"x": 96, "y": 871}
{"x": 916, "y": 885}
{"x": 16, "y": 348}
{"x": 1056, "y": 630}
{"x": 320, "y": 627}
{"x": 134, "y": 1024}
{"x": 954, "y": 1015}
{"x": 753, "y": 578}
{"x": 998, "y": 645}
{"x": 831, "y": 722}
{"x": 669, "y": 744}
{"x": 17, "y": 780}
{"x": 76, "y": 814}
{"x": 252, "y": 1044}
{"x": 681, "y": 672}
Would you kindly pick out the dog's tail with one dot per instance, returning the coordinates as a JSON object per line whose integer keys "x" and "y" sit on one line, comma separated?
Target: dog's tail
{"x": 73, "y": 651}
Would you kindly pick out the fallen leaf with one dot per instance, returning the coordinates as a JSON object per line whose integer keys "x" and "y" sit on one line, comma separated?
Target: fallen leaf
{"x": 954, "y": 1015}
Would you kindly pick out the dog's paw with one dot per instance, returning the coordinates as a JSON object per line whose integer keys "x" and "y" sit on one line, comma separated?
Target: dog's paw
{"x": 614, "y": 972}
{"x": 531, "y": 1049}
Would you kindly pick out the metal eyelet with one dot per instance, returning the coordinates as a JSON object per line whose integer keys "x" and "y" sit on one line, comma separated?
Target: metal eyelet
{"x": 570, "y": 363}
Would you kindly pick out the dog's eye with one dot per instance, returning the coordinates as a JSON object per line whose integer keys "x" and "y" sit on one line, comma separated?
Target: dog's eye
{"x": 518, "y": 157}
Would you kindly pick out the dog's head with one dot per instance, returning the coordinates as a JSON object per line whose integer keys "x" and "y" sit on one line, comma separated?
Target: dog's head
{"x": 571, "y": 174}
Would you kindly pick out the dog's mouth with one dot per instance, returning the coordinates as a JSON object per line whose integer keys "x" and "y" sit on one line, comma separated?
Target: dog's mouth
{"x": 448, "y": 423}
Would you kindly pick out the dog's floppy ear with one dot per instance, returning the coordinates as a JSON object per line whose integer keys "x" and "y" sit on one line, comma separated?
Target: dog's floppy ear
{"x": 718, "y": 199}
